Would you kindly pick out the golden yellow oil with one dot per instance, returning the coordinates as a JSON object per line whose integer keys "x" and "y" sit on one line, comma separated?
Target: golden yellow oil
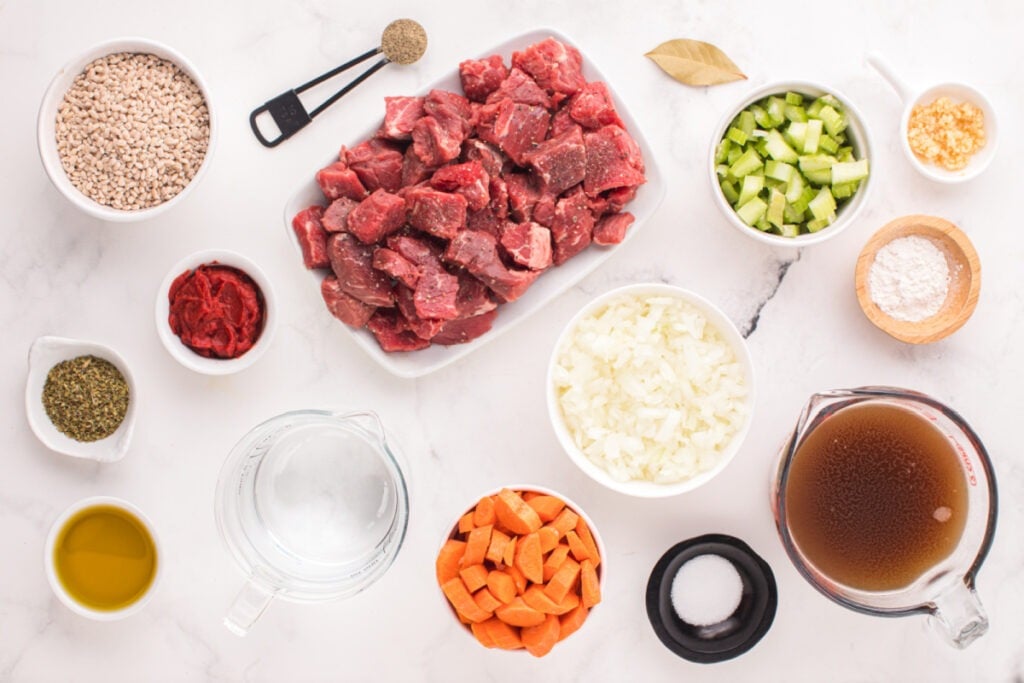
{"x": 105, "y": 558}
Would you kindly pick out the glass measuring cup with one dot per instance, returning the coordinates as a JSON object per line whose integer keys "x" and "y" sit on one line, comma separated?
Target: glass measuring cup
{"x": 313, "y": 506}
{"x": 945, "y": 591}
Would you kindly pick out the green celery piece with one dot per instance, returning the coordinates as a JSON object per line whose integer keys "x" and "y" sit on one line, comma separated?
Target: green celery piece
{"x": 745, "y": 122}
{"x": 779, "y": 170}
{"x": 823, "y": 206}
{"x": 752, "y": 186}
{"x": 794, "y": 98}
{"x": 722, "y": 170}
{"x": 795, "y": 188}
{"x": 760, "y": 116}
{"x": 849, "y": 171}
{"x": 776, "y": 209}
{"x": 776, "y": 108}
{"x": 835, "y": 123}
{"x": 795, "y": 113}
{"x": 748, "y": 162}
{"x": 737, "y": 136}
{"x": 844, "y": 190}
{"x": 729, "y": 190}
{"x": 752, "y": 211}
{"x": 840, "y": 139}
{"x": 777, "y": 148}
{"x": 800, "y": 204}
{"x": 762, "y": 146}
{"x": 845, "y": 154}
{"x": 817, "y": 224}
{"x": 773, "y": 184}
{"x": 817, "y": 168}
{"x": 795, "y": 134}
{"x": 813, "y": 139}
{"x": 791, "y": 215}
{"x": 789, "y": 230}
{"x": 722, "y": 153}
{"x": 735, "y": 152}
{"x": 828, "y": 144}
{"x": 819, "y": 178}
{"x": 831, "y": 101}
{"x": 814, "y": 110}
{"x": 763, "y": 225}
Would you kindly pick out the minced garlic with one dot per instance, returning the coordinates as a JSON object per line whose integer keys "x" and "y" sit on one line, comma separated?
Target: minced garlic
{"x": 946, "y": 134}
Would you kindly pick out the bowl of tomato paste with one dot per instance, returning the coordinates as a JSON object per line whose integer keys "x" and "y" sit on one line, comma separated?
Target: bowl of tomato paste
{"x": 215, "y": 312}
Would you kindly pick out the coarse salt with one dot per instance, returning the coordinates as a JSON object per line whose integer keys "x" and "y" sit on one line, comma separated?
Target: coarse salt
{"x": 706, "y": 590}
{"x": 909, "y": 278}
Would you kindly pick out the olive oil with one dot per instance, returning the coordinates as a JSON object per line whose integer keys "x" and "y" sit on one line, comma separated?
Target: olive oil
{"x": 105, "y": 558}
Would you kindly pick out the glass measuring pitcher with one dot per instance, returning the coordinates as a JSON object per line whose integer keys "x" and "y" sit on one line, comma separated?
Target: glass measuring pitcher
{"x": 864, "y": 466}
{"x": 313, "y": 506}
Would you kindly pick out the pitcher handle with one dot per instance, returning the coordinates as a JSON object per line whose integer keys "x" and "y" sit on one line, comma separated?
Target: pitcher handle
{"x": 959, "y": 616}
{"x": 371, "y": 420}
{"x": 249, "y": 606}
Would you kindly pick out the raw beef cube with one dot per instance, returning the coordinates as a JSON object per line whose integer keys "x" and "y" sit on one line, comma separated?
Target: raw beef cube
{"x": 544, "y": 209}
{"x": 441, "y": 214}
{"x": 343, "y": 306}
{"x": 433, "y": 143}
{"x": 424, "y": 328}
{"x": 499, "y": 198}
{"x": 449, "y": 108}
{"x": 612, "y": 228}
{"x": 469, "y": 180}
{"x": 377, "y": 216}
{"x": 488, "y": 155}
{"x": 555, "y": 66}
{"x": 465, "y": 329}
{"x": 312, "y": 237}
{"x": 392, "y": 332}
{"x": 419, "y": 251}
{"x": 560, "y": 162}
{"x": 414, "y": 171}
{"x": 352, "y": 263}
{"x": 619, "y": 197}
{"x": 473, "y": 298}
{"x": 519, "y": 87}
{"x": 592, "y": 107}
{"x": 613, "y": 160}
{"x": 338, "y": 180}
{"x": 484, "y": 220}
{"x": 401, "y": 114}
{"x": 435, "y": 294}
{"x": 529, "y": 244}
{"x": 477, "y": 252}
{"x": 573, "y": 225}
{"x": 336, "y": 216}
{"x": 523, "y": 194}
{"x": 517, "y": 128}
{"x": 378, "y": 163}
{"x": 481, "y": 77}
{"x": 397, "y": 266}
{"x": 562, "y": 122}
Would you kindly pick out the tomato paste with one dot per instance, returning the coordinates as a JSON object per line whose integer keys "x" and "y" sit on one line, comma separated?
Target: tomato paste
{"x": 217, "y": 311}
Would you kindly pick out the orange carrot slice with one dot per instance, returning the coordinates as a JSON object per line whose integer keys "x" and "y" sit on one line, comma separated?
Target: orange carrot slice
{"x": 538, "y": 600}
{"x": 501, "y": 586}
{"x": 476, "y": 545}
{"x": 482, "y": 634}
{"x": 448, "y": 560}
{"x": 548, "y": 538}
{"x": 583, "y": 531}
{"x": 502, "y": 635}
{"x": 571, "y": 621}
{"x": 529, "y": 559}
{"x": 466, "y": 523}
{"x": 590, "y": 587}
{"x": 547, "y": 507}
{"x": 517, "y": 578}
{"x": 572, "y": 600}
{"x": 462, "y": 601}
{"x": 563, "y": 580}
{"x": 496, "y": 550}
{"x": 474, "y": 576}
{"x": 538, "y": 640}
{"x": 555, "y": 560}
{"x": 518, "y": 613}
{"x": 529, "y": 495}
{"x": 484, "y": 513}
{"x": 565, "y": 521}
{"x": 514, "y": 513}
{"x": 579, "y": 551}
{"x": 509, "y": 554}
{"x": 486, "y": 601}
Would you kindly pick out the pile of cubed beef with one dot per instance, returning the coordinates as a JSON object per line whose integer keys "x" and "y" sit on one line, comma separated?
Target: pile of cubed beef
{"x": 460, "y": 202}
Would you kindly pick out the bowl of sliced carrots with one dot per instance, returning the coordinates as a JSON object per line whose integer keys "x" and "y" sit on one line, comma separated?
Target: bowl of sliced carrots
{"x": 522, "y": 568}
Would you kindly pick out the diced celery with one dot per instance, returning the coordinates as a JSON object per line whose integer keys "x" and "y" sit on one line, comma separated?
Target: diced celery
{"x": 795, "y": 188}
{"x": 795, "y": 134}
{"x": 773, "y": 184}
{"x": 752, "y": 211}
{"x": 779, "y": 170}
{"x": 722, "y": 153}
{"x": 794, "y": 98}
{"x": 841, "y": 138}
{"x": 814, "y": 109}
{"x": 763, "y": 225}
{"x": 823, "y": 206}
{"x": 745, "y": 122}
{"x": 817, "y": 224}
{"x": 735, "y": 152}
{"x": 778, "y": 149}
{"x": 813, "y": 138}
{"x": 752, "y": 185}
{"x": 819, "y": 178}
{"x": 789, "y": 230}
{"x": 776, "y": 209}
{"x": 844, "y": 190}
{"x": 748, "y": 162}
{"x": 737, "y": 136}
{"x": 827, "y": 143}
{"x": 849, "y": 171}
{"x": 845, "y": 154}
{"x": 801, "y": 202}
{"x": 776, "y": 111}
{"x": 795, "y": 113}
{"x": 835, "y": 122}
{"x": 792, "y": 215}
{"x": 817, "y": 168}
{"x": 729, "y": 191}
{"x": 760, "y": 116}
{"x": 722, "y": 170}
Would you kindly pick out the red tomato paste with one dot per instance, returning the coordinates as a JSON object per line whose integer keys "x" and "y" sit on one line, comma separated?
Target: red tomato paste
{"x": 217, "y": 311}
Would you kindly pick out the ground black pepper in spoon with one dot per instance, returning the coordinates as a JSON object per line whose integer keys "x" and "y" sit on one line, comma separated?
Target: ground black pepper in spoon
{"x": 403, "y": 42}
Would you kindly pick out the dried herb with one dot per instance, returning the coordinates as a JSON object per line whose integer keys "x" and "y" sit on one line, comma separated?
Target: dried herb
{"x": 86, "y": 398}
{"x": 694, "y": 62}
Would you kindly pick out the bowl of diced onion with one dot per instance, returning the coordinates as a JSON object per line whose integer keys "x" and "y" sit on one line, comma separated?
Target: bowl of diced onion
{"x": 650, "y": 390}
{"x": 790, "y": 164}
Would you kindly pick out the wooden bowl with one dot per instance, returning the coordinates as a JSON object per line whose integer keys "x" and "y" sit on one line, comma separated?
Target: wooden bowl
{"x": 964, "y": 274}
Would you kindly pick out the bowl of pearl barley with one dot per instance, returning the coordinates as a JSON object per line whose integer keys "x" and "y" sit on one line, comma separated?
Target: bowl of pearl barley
{"x": 126, "y": 129}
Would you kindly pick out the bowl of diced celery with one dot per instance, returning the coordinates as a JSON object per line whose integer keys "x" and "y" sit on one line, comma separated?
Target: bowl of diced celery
{"x": 790, "y": 166}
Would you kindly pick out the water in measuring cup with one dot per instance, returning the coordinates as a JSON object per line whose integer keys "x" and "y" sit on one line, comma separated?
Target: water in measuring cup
{"x": 325, "y": 495}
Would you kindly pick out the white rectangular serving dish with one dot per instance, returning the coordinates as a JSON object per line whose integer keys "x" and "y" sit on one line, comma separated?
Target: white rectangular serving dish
{"x": 549, "y": 285}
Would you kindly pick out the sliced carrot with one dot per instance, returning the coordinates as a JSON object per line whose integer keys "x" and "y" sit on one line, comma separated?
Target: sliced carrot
{"x": 579, "y": 551}
{"x": 583, "y": 531}
{"x": 565, "y": 521}
{"x": 462, "y": 619}
{"x": 502, "y": 635}
{"x": 538, "y": 600}
{"x": 486, "y": 601}
{"x": 538, "y": 640}
{"x": 530, "y": 495}
{"x": 447, "y": 564}
{"x": 571, "y": 622}
{"x": 501, "y": 586}
{"x": 484, "y": 513}
{"x": 476, "y": 545}
{"x": 517, "y": 578}
{"x": 514, "y": 513}
{"x": 555, "y": 560}
{"x": 474, "y": 576}
{"x": 496, "y": 550}
{"x": 518, "y": 613}
{"x": 548, "y": 538}
{"x": 509, "y": 554}
{"x": 571, "y": 602}
{"x": 590, "y": 587}
{"x": 547, "y": 507}
{"x": 462, "y": 601}
{"x": 529, "y": 559}
{"x": 466, "y": 523}
{"x": 563, "y": 580}
{"x": 482, "y": 634}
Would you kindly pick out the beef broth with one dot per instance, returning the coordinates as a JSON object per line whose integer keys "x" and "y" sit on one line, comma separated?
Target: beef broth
{"x": 876, "y": 496}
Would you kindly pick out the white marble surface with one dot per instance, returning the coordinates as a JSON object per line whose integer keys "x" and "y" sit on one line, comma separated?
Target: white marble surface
{"x": 482, "y": 422}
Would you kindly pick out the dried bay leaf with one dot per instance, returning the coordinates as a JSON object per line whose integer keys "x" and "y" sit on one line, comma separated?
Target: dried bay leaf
{"x": 694, "y": 62}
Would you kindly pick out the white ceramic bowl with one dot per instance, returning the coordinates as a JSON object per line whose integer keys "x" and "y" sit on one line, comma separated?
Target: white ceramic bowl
{"x": 51, "y": 573}
{"x": 185, "y": 355}
{"x": 46, "y": 126}
{"x": 859, "y": 139}
{"x": 45, "y": 353}
{"x": 648, "y": 489}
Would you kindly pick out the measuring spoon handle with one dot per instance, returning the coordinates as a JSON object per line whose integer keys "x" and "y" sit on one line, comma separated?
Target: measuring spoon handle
{"x": 885, "y": 71}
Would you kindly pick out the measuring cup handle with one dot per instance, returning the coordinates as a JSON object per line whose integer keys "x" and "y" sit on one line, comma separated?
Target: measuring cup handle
{"x": 885, "y": 71}
{"x": 959, "y": 616}
{"x": 249, "y": 606}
